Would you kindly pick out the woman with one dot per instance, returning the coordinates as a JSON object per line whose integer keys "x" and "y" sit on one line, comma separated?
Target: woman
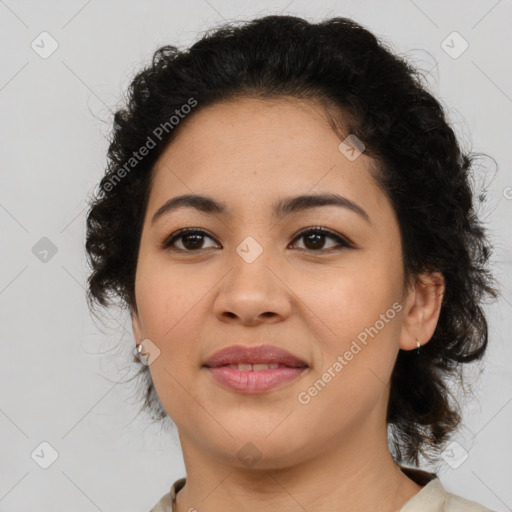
{"x": 287, "y": 216}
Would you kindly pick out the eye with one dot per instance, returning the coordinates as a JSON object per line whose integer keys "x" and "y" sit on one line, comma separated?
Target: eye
{"x": 192, "y": 239}
{"x": 315, "y": 239}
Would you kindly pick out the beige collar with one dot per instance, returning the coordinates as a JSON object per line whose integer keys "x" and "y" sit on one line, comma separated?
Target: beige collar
{"x": 430, "y": 498}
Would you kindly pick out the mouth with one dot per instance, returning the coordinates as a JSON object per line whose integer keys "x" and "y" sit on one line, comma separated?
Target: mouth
{"x": 248, "y": 369}
{"x": 254, "y": 355}
{"x": 256, "y": 367}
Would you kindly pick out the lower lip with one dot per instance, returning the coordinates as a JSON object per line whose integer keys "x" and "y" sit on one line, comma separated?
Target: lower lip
{"x": 254, "y": 381}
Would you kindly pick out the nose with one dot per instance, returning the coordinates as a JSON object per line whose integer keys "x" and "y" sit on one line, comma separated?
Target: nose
{"x": 253, "y": 293}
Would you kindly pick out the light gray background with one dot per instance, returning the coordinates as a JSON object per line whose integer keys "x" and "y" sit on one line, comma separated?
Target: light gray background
{"x": 55, "y": 115}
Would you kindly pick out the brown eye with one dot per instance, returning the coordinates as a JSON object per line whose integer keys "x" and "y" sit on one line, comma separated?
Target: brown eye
{"x": 191, "y": 240}
{"x": 314, "y": 239}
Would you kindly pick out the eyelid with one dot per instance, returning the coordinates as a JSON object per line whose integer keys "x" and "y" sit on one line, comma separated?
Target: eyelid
{"x": 168, "y": 241}
{"x": 343, "y": 241}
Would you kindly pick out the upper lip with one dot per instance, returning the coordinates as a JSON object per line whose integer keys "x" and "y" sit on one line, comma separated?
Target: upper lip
{"x": 261, "y": 354}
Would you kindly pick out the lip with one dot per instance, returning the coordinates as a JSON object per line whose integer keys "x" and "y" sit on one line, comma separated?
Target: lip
{"x": 262, "y": 354}
{"x": 254, "y": 381}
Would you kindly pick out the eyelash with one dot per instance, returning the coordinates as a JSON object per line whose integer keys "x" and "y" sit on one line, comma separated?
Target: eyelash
{"x": 182, "y": 233}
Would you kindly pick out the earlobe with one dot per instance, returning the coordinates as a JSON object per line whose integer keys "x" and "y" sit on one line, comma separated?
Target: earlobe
{"x": 422, "y": 314}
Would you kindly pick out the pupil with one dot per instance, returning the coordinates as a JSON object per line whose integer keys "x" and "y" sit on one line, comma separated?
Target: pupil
{"x": 194, "y": 244}
{"x": 315, "y": 238}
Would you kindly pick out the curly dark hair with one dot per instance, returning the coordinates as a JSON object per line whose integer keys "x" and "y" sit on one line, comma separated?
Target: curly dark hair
{"x": 370, "y": 92}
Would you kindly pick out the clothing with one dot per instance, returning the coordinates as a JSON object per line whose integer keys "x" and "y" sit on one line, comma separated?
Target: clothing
{"x": 432, "y": 498}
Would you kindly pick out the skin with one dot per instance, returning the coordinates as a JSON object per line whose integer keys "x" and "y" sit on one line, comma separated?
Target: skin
{"x": 329, "y": 454}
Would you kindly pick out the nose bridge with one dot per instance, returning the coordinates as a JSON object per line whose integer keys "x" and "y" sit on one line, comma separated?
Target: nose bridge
{"x": 252, "y": 289}
{"x": 251, "y": 262}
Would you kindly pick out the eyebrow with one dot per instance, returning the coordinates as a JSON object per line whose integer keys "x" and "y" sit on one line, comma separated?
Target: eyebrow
{"x": 280, "y": 209}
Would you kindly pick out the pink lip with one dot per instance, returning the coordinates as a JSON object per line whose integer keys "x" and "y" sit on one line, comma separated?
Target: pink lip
{"x": 268, "y": 354}
{"x": 254, "y": 381}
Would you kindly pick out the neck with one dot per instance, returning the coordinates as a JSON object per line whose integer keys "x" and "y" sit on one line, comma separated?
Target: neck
{"x": 353, "y": 474}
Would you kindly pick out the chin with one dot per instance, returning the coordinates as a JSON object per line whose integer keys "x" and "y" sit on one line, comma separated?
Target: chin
{"x": 257, "y": 450}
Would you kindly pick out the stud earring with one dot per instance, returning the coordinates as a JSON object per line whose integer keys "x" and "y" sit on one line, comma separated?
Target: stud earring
{"x": 142, "y": 357}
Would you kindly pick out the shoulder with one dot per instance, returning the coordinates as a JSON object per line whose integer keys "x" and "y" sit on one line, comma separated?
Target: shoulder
{"x": 166, "y": 502}
{"x": 433, "y": 497}
{"x": 454, "y": 503}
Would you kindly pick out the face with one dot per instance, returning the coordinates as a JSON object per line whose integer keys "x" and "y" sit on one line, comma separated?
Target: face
{"x": 250, "y": 277}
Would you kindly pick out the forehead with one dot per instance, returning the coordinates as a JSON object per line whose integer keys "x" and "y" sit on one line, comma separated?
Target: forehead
{"x": 251, "y": 150}
{"x": 256, "y": 131}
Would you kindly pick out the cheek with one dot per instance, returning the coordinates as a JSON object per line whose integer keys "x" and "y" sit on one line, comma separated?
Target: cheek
{"x": 355, "y": 322}
{"x": 169, "y": 303}
{"x": 348, "y": 299}
{"x": 355, "y": 356}
{"x": 165, "y": 293}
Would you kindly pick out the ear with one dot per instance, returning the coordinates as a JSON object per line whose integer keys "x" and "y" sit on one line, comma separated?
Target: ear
{"x": 421, "y": 313}
{"x": 136, "y": 326}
